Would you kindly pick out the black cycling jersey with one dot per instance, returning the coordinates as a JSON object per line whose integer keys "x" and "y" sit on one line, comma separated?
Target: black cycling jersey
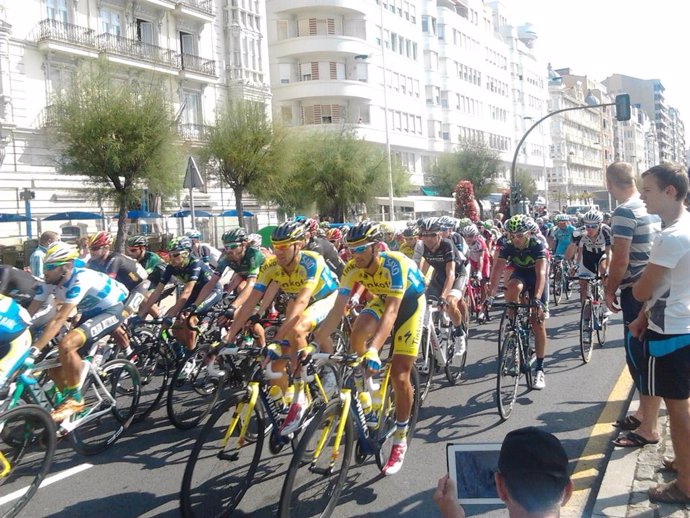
{"x": 326, "y": 249}
{"x": 523, "y": 258}
{"x": 121, "y": 268}
{"x": 593, "y": 248}
{"x": 194, "y": 271}
{"x": 18, "y": 284}
{"x": 445, "y": 253}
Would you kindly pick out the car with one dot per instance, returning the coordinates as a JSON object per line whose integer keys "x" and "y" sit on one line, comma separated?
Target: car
{"x": 581, "y": 209}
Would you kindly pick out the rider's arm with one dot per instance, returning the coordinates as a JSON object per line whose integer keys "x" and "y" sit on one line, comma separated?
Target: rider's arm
{"x": 570, "y": 251}
{"x": 243, "y": 314}
{"x": 496, "y": 272}
{"x": 618, "y": 264}
{"x": 450, "y": 279}
{"x": 53, "y": 328}
{"x": 540, "y": 277}
{"x": 208, "y": 287}
{"x": 35, "y": 306}
{"x": 322, "y": 334}
{"x": 151, "y": 300}
{"x": 244, "y": 294}
{"x": 182, "y": 299}
{"x": 390, "y": 313}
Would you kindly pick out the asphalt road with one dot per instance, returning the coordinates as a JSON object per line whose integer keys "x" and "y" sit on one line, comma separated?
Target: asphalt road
{"x": 141, "y": 474}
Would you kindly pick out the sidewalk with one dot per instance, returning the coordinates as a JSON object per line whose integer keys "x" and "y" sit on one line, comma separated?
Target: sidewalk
{"x": 630, "y": 472}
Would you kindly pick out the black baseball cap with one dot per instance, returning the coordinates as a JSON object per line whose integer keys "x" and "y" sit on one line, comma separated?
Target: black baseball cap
{"x": 529, "y": 453}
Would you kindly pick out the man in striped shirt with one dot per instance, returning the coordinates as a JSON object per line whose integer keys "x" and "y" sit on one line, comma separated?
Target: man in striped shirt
{"x": 36, "y": 260}
{"x": 633, "y": 230}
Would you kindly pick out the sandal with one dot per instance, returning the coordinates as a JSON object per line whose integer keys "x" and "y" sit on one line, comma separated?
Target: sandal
{"x": 669, "y": 464}
{"x": 668, "y": 494}
{"x": 632, "y": 440}
{"x": 628, "y": 424}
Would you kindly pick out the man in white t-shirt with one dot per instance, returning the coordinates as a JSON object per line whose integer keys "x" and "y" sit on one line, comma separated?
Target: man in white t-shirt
{"x": 664, "y": 287}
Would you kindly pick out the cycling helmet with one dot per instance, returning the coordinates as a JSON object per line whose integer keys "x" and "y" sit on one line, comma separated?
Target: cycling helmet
{"x": 410, "y": 223}
{"x": 137, "y": 241}
{"x": 254, "y": 240}
{"x": 539, "y": 221}
{"x": 592, "y": 217}
{"x": 180, "y": 244}
{"x": 532, "y": 225}
{"x": 324, "y": 225}
{"x": 446, "y": 222}
{"x": 488, "y": 224}
{"x": 563, "y": 217}
{"x": 193, "y": 234}
{"x": 334, "y": 234}
{"x": 410, "y": 232}
{"x": 386, "y": 228}
{"x": 429, "y": 225}
{"x": 344, "y": 229}
{"x": 99, "y": 239}
{"x": 470, "y": 231}
{"x": 365, "y": 232}
{"x": 288, "y": 232}
{"x": 235, "y": 235}
{"x": 517, "y": 224}
{"x": 59, "y": 253}
{"x": 311, "y": 225}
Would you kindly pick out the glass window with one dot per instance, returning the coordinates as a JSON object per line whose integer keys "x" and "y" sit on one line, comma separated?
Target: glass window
{"x": 110, "y": 22}
{"x": 145, "y": 31}
{"x": 56, "y": 10}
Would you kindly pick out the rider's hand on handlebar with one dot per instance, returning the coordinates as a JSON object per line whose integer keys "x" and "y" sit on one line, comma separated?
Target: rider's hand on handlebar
{"x": 372, "y": 361}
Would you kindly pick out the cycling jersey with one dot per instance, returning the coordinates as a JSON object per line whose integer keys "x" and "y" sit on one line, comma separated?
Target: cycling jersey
{"x": 93, "y": 292}
{"x": 194, "y": 271}
{"x": 397, "y": 276}
{"x": 407, "y": 250}
{"x": 311, "y": 272}
{"x": 248, "y": 267}
{"x": 460, "y": 245}
{"x": 562, "y": 238}
{"x": 14, "y": 319}
{"x": 523, "y": 258}
{"x": 18, "y": 284}
{"x": 477, "y": 249}
{"x": 325, "y": 249}
{"x": 445, "y": 253}
{"x": 592, "y": 248}
{"x": 123, "y": 269}
{"x": 154, "y": 266}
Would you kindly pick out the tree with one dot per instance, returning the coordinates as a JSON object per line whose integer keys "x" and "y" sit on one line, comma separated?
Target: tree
{"x": 527, "y": 187}
{"x": 472, "y": 161}
{"x": 118, "y": 135}
{"x": 246, "y": 148}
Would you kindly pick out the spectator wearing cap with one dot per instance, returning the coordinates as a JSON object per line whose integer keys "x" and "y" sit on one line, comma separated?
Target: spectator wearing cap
{"x": 532, "y": 477}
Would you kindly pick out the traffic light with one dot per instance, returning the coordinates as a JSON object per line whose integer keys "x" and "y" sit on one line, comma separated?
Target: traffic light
{"x": 623, "y": 107}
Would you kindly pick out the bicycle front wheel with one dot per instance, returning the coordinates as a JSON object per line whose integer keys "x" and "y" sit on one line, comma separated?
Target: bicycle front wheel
{"x": 317, "y": 472}
{"x": 602, "y": 328}
{"x": 191, "y": 392}
{"x": 455, "y": 363}
{"x": 221, "y": 466}
{"x": 557, "y": 287}
{"x": 27, "y": 446}
{"x": 586, "y": 330}
{"x": 508, "y": 376}
{"x": 154, "y": 368}
{"x": 110, "y": 403}
{"x": 425, "y": 364}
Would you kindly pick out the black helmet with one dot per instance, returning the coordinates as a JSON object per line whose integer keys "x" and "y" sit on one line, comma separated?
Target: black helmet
{"x": 430, "y": 225}
{"x": 137, "y": 241}
{"x": 365, "y": 232}
{"x": 288, "y": 232}
{"x": 235, "y": 235}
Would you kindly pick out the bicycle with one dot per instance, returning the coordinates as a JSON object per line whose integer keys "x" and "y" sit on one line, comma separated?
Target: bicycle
{"x": 592, "y": 316}
{"x": 227, "y": 452}
{"x": 558, "y": 280}
{"x": 473, "y": 297}
{"x": 516, "y": 357}
{"x": 320, "y": 464}
{"x": 437, "y": 349}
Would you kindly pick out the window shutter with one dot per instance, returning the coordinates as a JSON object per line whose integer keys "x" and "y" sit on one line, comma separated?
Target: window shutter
{"x": 333, "y": 70}
{"x": 335, "y": 112}
{"x": 317, "y": 114}
{"x": 312, "y": 26}
{"x": 331, "y": 26}
{"x": 314, "y": 70}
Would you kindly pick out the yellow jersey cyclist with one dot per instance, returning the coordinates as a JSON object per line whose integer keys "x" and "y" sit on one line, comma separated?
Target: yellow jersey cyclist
{"x": 312, "y": 287}
{"x": 397, "y": 308}
{"x": 527, "y": 256}
{"x": 98, "y": 298}
{"x": 15, "y": 337}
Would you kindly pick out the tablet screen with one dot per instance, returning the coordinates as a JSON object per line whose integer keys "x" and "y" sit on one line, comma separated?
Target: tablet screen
{"x": 472, "y": 466}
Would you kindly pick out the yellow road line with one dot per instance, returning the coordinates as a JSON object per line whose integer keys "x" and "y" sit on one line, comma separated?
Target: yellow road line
{"x": 589, "y": 464}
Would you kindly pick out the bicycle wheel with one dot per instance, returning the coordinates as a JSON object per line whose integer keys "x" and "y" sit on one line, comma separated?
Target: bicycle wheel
{"x": 468, "y": 309}
{"x": 425, "y": 364}
{"x": 502, "y": 330}
{"x": 567, "y": 287}
{"x": 154, "y": 369}
{"x": 386, "y": 428}
{"x": 191, "y": 392}
{"x": 314, "y": 481}
{"x": 111, "y": 396}
{"x": 508, "y": 375}
{"x": 27, "y": 446}
{"x": 586, "y": 330}
{"x": 455, "y": 363}
{"x": 219, "y": 472}
{"x": 557, "y": 286}
{"x": 603, "y": 325}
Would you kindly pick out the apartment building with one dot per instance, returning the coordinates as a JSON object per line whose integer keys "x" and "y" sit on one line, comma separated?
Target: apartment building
{"x": 635, "y": 140}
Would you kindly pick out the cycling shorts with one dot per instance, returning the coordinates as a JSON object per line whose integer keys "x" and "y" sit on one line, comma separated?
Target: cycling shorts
{"x": 590, "y": 265}
{"x": 206, "y": 304}
{"x": 527, "y": 276}
{"x": 96, "y": 327}
{"x": 407, "y": 329}
{"x": 317, "y": 311}
{"x": 136, "y": 296}
{"x": 13, "y": 353}
{"x": 457, "y": 289}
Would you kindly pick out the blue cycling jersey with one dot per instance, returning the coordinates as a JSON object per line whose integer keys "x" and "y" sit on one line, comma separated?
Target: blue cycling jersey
{"x": 14, "y": 319}
{"x": 562, "y": 237}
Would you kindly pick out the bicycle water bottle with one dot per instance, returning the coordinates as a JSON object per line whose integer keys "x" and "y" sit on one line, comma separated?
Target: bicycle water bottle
{"x": 375, "y": 390}
{"x": 276, "y": 395}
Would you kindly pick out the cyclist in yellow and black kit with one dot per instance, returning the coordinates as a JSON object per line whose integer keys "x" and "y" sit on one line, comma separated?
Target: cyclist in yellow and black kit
{"x": 397, "y": 307}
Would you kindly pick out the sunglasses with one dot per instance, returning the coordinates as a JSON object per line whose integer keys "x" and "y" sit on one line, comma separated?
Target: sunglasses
{"x": 232, "y": 246}
{"x": 587, "y": 225}
{"x": 282, "y": 247}
{"x": 359, "y": 249}
{"x": 519, "y": 234}
{"x": 96, "y": 248}
{"x": 176, "y": 254}
{"x": 432, "y": 234}
{"x": 51, "y": 266}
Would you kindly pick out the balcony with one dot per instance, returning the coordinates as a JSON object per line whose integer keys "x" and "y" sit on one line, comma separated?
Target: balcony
{"x": 138, "y": 50}
{"x": 197, "y": 64}
{"x": 193, "y": 132}
{"x": 202, "y": 6}
{"x": 54, "y": 35}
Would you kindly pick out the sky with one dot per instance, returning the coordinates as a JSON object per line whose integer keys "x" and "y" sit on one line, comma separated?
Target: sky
{"x": 598, "y": 38}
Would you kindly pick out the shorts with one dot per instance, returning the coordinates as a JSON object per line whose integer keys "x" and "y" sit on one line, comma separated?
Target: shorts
{"x": 407, "y": 329}
{"x": 634, "y": 348}
{"x": 666, "y": 369}
{"x": 13, "y": 353}
{"x": 457, "y": 289}
{"x": 206, "y": 304}
{"x": 590, "y": 266}
{"x": 528, "y": 277}
{"x": 317, "y": 311}
{"x": 96, "y": 327}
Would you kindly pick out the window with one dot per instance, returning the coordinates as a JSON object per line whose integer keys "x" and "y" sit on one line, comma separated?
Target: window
{"x": 56, "y": 10}
{"x": 110, "y": 22}
{"x": 187, "y": 43}
{"x": 284, "y": 72}
{"x": 192, "y": 107}
{"x": 145, "y": 31}
{"x": 362, "y": 72}
{"x": 282, "y": 29}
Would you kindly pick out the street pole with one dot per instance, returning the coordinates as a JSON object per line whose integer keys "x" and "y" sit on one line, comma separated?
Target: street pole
{"x": 389, "y": 163}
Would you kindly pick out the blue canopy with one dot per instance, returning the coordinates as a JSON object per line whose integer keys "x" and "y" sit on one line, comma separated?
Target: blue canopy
{"x": 66, "y": 216}
{"x": 12, "y": 218}
{"x": 197, "y": 213}
{"x": 232, "y": 213}
{"x": 141, "y": 214}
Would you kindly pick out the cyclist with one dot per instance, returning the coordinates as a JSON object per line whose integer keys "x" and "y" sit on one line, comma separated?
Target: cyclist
{"x": 15, "y": 337}
{"x": 389, "y": 237}
{"x": 321, "y": 245}
{"x": 397, "y": 308}
{"x": 478, "y": 255}
{"x": 527, "y": 256}
{"x": 203, "y": 251}
{"x": 449, "y": 278}
{"x": 561, "y": 235}
{"x": 98, "y": 298}
{"x": 312, "y": 286}
{"x": 190, "y": 305}
{"x": 335, "y": 237}
{"x": 152, "y": 263}
{"x": 412, "y": 247}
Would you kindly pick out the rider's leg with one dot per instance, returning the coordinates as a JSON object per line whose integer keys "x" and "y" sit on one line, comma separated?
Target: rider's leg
{"x": 400, "y": 378}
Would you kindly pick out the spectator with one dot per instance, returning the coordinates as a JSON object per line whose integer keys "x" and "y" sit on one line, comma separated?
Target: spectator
{"x": 532, "y": 477}
{"x": 36, "y": 260}
{"x": 665, "y": 320}
{"x": 633, "y": 231}
{"x": 83, "y": 247}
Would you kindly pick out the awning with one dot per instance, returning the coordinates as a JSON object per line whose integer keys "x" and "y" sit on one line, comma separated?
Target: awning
{"x": 66, "y": 216}
{"x": 429, "y": 191}
{"x": 186, "y": 213}
{"x": 140, "y": 214}
{"x": 232, "y": 213}
{"x": 12, "y": 218}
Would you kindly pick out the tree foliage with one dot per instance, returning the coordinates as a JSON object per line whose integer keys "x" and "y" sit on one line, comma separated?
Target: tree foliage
{"x": 527, "y": 186}
{"x": 118, "y": 135}
{"x": 246, "y": 148}
{"x": 473, "y": 161}
{"x": 465, "y": 204}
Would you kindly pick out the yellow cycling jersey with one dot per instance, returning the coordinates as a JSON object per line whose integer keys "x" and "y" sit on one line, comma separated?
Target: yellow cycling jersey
{"x": 311, "y": 272}
{"x": 397, "y": 276}
{"x": 407, "y": 250}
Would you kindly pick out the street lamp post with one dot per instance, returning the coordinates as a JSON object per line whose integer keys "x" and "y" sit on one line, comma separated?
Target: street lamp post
{"x": 389, "y": 162}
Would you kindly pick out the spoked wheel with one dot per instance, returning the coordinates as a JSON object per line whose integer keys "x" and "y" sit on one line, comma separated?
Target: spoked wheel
{"x": 219, "y": 471}
{"x": 154, "y": 369}
{"x": 110, "y": 403}
{"x": 192, "y": 392}
{"x": 455, "y": 363}
{"x": 386, "y": 427}
{"x": 317, "y": 472}
{"x": 586, "y": 330}
{"x": 425, "y": 364}
{"x": 557, "y": 287}
{"x": 567, "y": 287}
{"x": 27, "y": 446}
{"x": 603, "y": 322}
{"x": 508, "y": 375}
{"x": 502, "y": 330}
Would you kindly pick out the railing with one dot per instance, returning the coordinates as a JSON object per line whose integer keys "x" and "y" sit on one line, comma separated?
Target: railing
{"x": 138, "y": 50}
{"x": 65, "y": 32}
{"x": 195, "y": 132}
{"x": 46, "y": 118}
{"x": 198, "y": 64}
{"x": 202, "y": 5}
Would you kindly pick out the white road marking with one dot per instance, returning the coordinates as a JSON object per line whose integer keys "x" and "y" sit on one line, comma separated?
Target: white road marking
{"x": 47, "y": 481}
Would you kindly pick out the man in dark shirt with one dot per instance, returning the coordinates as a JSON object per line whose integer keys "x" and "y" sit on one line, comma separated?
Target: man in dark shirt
{"x": 323, "y": 247}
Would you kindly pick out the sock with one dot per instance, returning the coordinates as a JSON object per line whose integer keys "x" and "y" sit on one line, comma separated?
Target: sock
{"x": 72, "y": 393}
{"x": 401, "y": 431}
{"x": 458, "y": 331}
{"x": 540, "y": 364}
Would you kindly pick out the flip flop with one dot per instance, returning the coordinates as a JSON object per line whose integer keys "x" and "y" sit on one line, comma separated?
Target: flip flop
{"x": 668, "y": 493}
{"x": 632, "y": 440}
{"x": 669, "y": 464}
{"x": 629, "y": 423}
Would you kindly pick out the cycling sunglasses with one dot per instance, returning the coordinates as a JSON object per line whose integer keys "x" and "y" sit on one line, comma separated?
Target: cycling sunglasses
{"x": 429, "y": 234}
{"x": 51, "y": 266}
{"x": 176, "y": 254}
{"x": 590, "y": 226}
{"x": 232, "y": 246}
{"x": 283, "y": 246}
{"x": 517, "y": 234}
{"x": 359, "y": 249}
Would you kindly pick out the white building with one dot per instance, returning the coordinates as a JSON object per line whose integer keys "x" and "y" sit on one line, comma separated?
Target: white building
{"x": 635, "y": 140}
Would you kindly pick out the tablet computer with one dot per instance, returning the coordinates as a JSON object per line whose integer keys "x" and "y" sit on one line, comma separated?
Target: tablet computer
{"x": 472, "y": 466}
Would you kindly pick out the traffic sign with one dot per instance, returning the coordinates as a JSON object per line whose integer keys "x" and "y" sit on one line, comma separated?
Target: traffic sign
{"x": 192, "y": 177}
